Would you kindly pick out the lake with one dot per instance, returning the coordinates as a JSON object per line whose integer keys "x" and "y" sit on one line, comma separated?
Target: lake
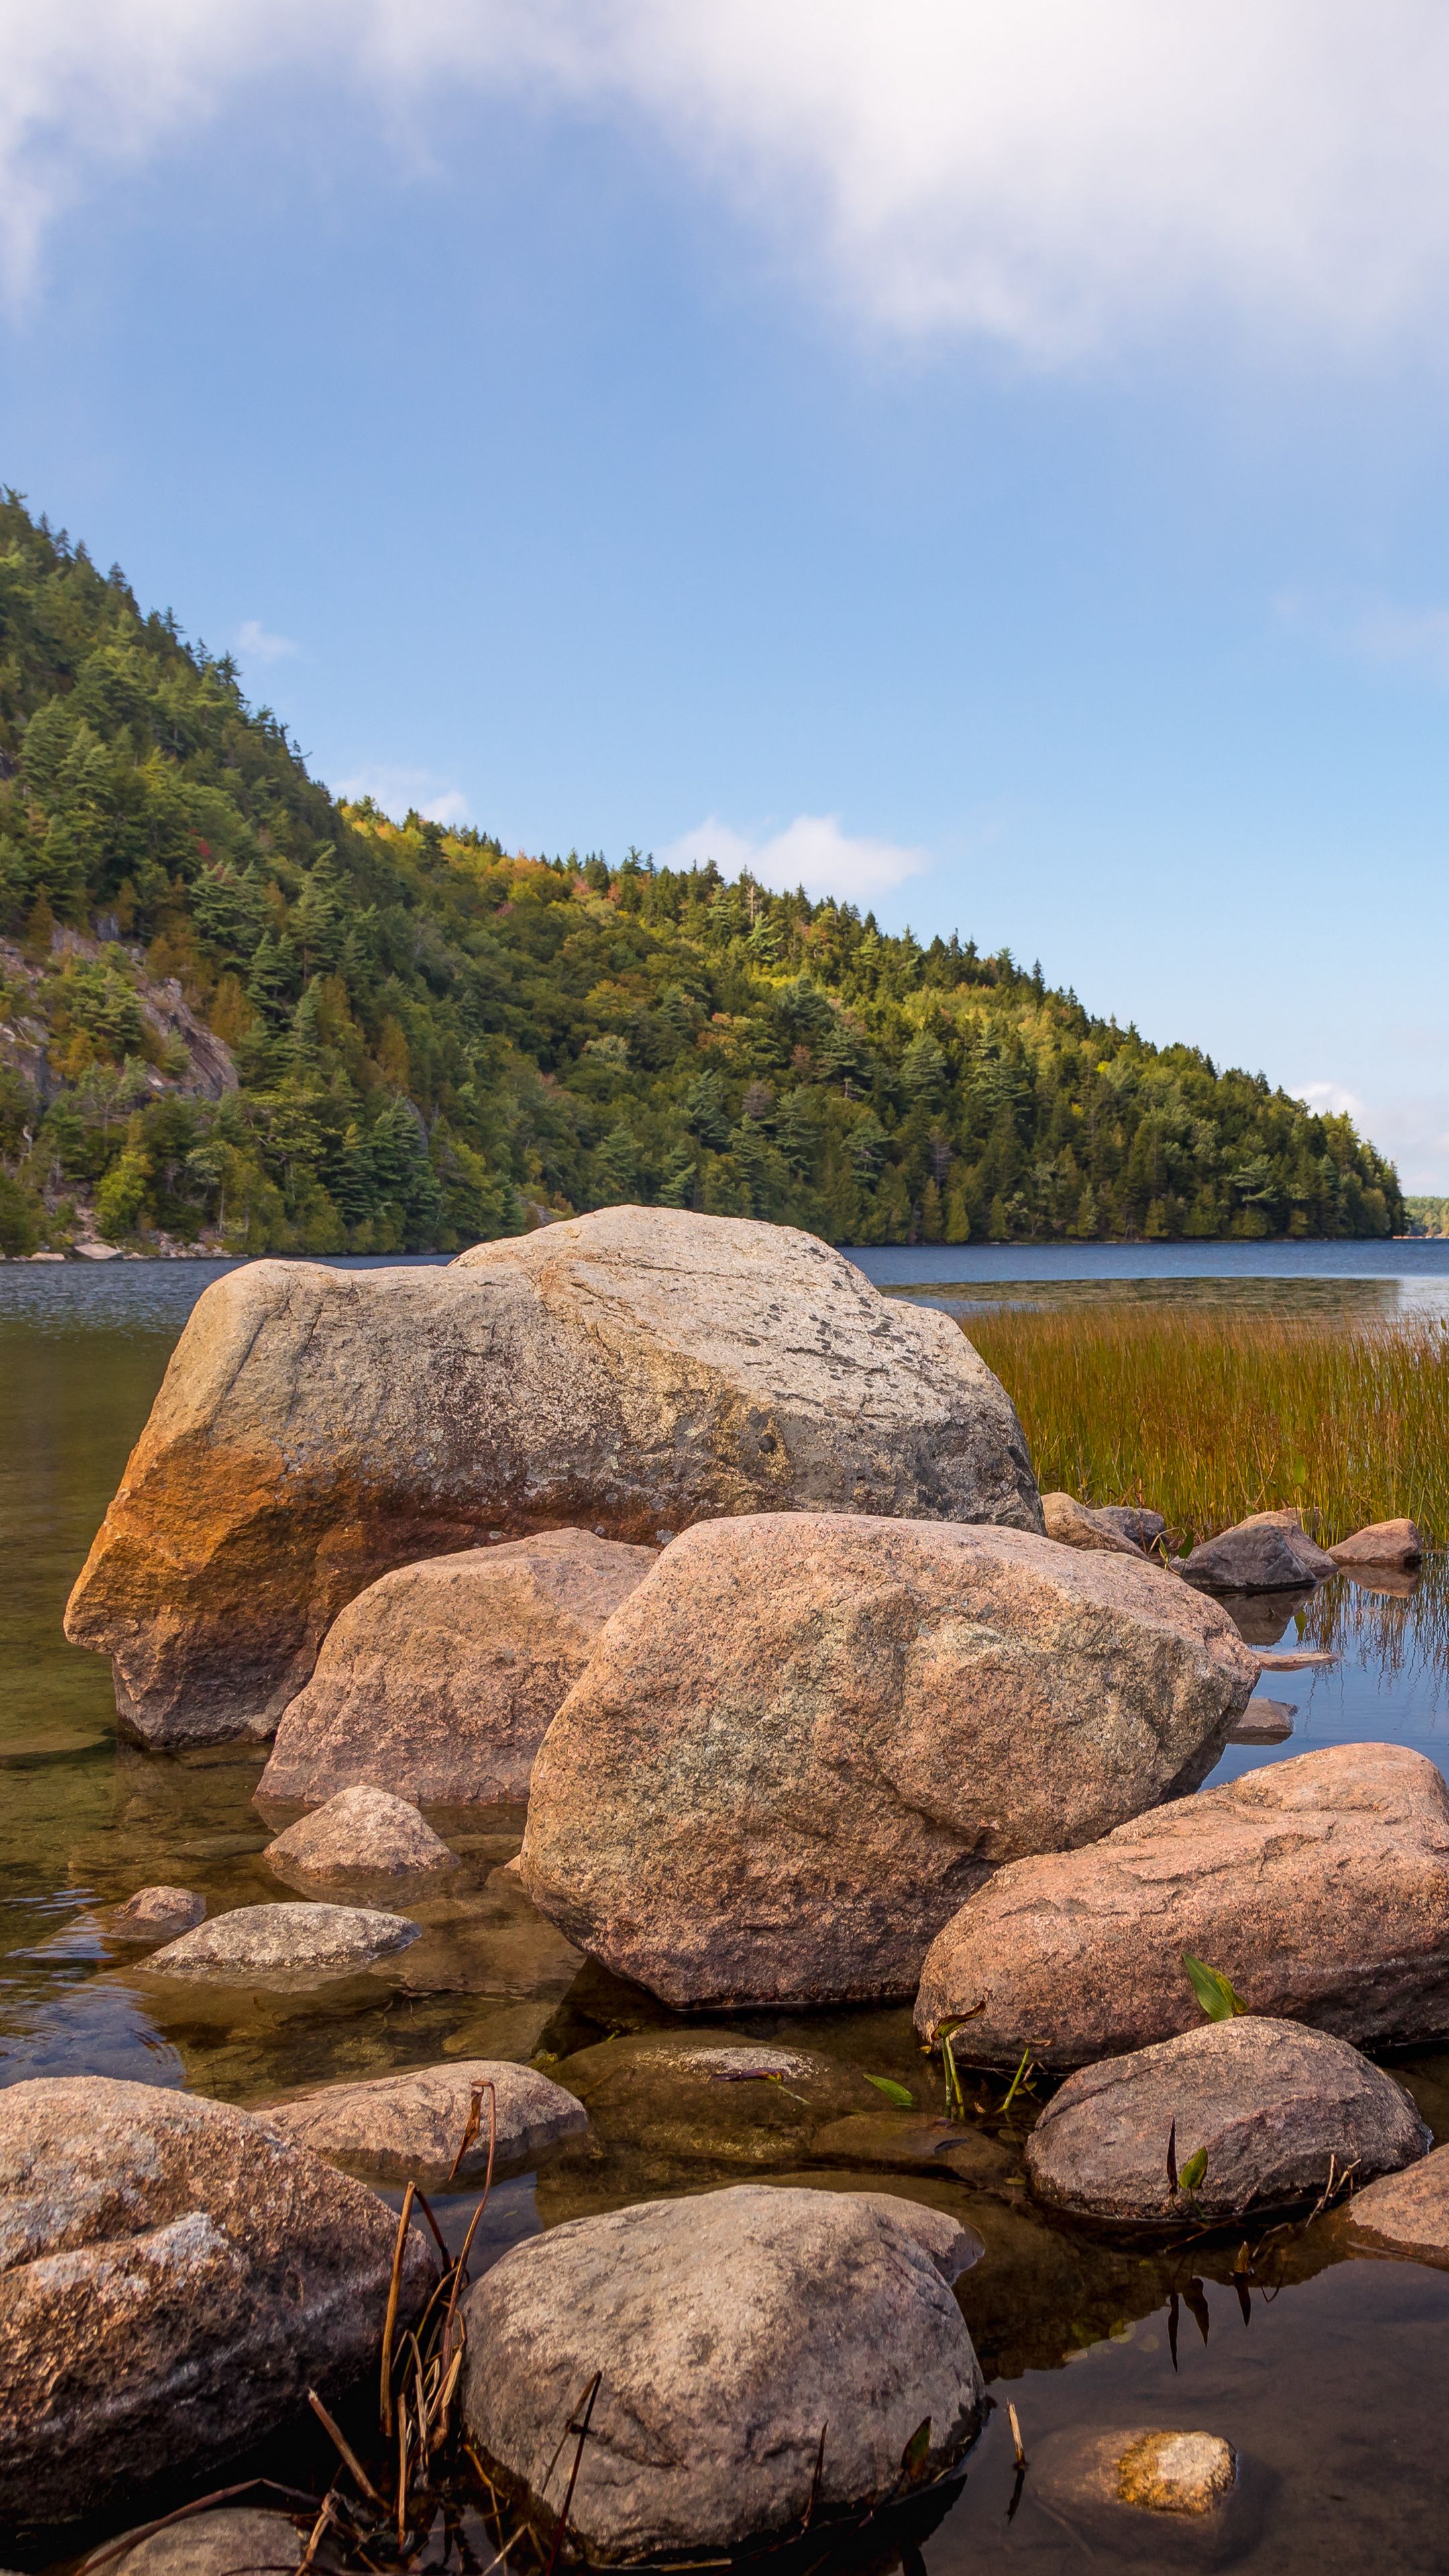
{"x": 1326, "y": 2373}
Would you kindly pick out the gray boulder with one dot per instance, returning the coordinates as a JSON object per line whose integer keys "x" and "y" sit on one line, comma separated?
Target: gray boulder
{"x": 155, "y": 1914}
{"x": 731, "y": 2330}
{"x": 361, "y": 1833}
{"x": 1319, "y": 1886}
{"x": 1132, "y": 1521}
{"x": 1264, "y": 1721}
{"x": 410, "y": 2127}
{"x": 1280, "y": 2113}
{"x": 173, "y": 2276}
{"x": 441, "y": 1679}
{"x": 629, "y": 1371}
{"x": 1269, "y": 1552}
{"x": 802, "y": 1741}
{"x": 284, "y": 1946}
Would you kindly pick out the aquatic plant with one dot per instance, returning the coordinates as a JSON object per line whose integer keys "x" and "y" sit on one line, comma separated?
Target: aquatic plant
{"x": 1209, "y": 1415}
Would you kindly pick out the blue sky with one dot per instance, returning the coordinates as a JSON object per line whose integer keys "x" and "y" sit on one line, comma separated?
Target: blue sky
{"x": 990, "y": 463}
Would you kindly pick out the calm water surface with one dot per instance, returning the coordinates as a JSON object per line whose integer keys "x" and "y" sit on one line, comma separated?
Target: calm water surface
{"x": 1329, "y": 2374}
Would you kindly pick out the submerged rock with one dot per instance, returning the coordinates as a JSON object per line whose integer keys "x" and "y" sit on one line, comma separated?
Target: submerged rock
{"x": 1406, "y": 2212}
{"x": 155, "y": 1914}
{"x": 284, "y": 1945}
{"x": 1278, "y": 2114}
{"x": 632, "y": 1370}
{"x": 1269, "y": 1552}
{"x": 441, "y": 1679}
{"x": 1319, "y": 1886}
{"x": 802, "y": 1741}
{"x": 173, "y": 2276}
{"x": 239, "y": 2540}
{"x": 1264, "y": 1721}
{"x": 1386, "y": 1544}
{"x": 731, "y": 2329}
{"x": 361, "y": 1833}
{"x": 411, "y": 2127}
{"x": 1074, "y": 1524}
{"x": 685, "y": 2098}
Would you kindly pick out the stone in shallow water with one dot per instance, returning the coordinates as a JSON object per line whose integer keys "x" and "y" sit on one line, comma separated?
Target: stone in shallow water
{"x": 1264, "y": 1721}
{"x": 1074, "y": 1524}
{"x": 285, "y": 1945}
{"x": 729, "y": 2328}
{"x": 1319, "y": 1886}
{"x": 805, "y": 1738}
{"x": 1383, "y": 1543}
{"x": 155, "y": 1914}
{"x": 1407, "y": 2212}
{"x": 633, "y": 1369}
{"x": 1280, "y": 2114}
{"x": 410, "y": 2127}
{"x": 441, "y": 1679}
{"x": 240, "y": 2540}
{"x": 1268, "y": 1552}
{"x": 173, "y": 2275}
{"x": 1175, "y": 2472}
{"x": 361, "y": 1833}
{"x": 674, "y": 2098}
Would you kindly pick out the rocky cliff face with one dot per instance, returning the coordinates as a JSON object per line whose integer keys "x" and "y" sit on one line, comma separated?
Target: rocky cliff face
{"x": 628, "y": 1372}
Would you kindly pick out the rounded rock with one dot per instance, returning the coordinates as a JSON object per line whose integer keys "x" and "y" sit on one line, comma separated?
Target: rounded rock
{"x": 284, "y": 1945}
{"x": 432, "y": 2124}
{"x": 156, "y": 1914}
{"x": 361, "y": 1833}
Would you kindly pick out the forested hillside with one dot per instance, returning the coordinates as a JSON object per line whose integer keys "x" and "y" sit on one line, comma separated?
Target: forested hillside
{"x": 235, "y": 1011}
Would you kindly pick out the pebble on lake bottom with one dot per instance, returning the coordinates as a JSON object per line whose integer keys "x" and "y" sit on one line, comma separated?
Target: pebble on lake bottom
{"x": 1175, "y": 2472}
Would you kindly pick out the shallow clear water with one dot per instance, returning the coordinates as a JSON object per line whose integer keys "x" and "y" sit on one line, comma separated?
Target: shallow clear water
{"x": 1327, "y": 2373}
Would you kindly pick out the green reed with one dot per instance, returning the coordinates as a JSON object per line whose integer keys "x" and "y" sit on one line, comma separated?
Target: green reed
{"x": 1209, "y": 1416}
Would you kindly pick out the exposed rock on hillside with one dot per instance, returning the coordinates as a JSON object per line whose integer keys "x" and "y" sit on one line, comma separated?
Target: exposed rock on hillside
{"x": 802, "y": 1741}
{"x": 441, "y": 1679}
{"x": 1318, "y": 1886}
{"x": 631, "y": 1371}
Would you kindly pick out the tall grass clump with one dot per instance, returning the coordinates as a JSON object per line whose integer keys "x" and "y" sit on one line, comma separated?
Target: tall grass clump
{"x": 1206, "y": 1417}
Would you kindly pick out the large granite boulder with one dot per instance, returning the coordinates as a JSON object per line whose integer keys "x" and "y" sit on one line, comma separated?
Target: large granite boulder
{"x": 1277, "y": 2113}
{"x": 1318, "y": 1886}
{"x": 361, "y": 1833}
{"x": 284, "y": 1946}
{"x": 432, "y": 2124}
{"x": 174, "y": 2274}
{"x": 801, "y": 1743}
{"x": 632, "y": 1371}
{"x": 729, "y": 2331}
{"x": 1268, "y": 1552}
{"x": 441, "y": 1679}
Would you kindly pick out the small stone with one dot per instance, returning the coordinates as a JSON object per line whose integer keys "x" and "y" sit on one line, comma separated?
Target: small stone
{"x": 1382, "y": 1543}
{"x": 729, "y": 2328}
{"x": 239, "y": 2540}
{"x": 1408, "y": 2211}
{"x": 1264, "y": 1721}
{"x": 1132, "y": 1521}
{"x": 155, "y": 1914}
{"x": 285, "y": 1945}
{"x": 410, "y": 2127}
{"x": 1074, "y": 1524}
{"x": 362, "y": 1832}
{"x": 1176, "y": 2472}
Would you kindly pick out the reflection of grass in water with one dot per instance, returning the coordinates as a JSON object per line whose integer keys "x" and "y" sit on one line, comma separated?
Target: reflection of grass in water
{"x": 1209, "y": 1415}
{"x": 1397, "y": 1636}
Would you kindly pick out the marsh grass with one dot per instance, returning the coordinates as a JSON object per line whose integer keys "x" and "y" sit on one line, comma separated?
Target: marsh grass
{"x": 1208, "y": 1416}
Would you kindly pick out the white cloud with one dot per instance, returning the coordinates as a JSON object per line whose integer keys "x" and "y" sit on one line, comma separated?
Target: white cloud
{"x": 397, "y": 791}
{"x": 255, "y": 643}
{"x": 1049, "y": 173}
{"x": 1331, "y": 1100}
{"x": 812, "y": 852}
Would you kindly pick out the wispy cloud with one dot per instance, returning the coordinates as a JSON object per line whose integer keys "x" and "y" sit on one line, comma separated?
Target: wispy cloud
{"x": 400, "y": 791}
{"x": 1332, "y": 1100}
{"x": 812, "y": 852}
{"x": 1050, "y": 175}
{"x": 256, "y": 643}
{"x": 1386, "y": 632}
